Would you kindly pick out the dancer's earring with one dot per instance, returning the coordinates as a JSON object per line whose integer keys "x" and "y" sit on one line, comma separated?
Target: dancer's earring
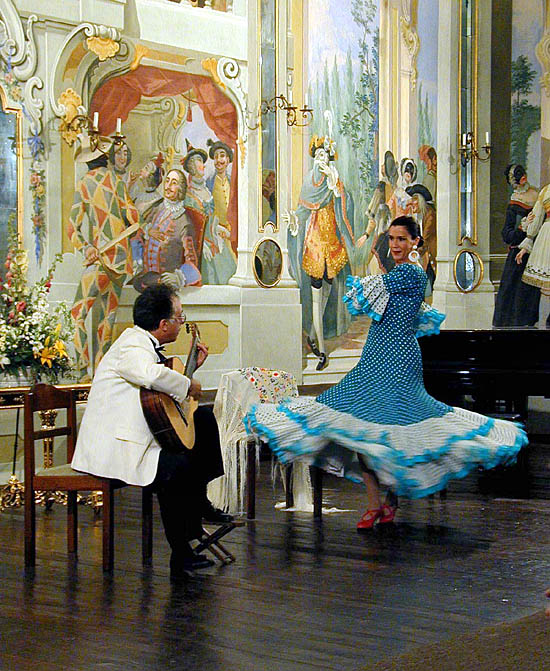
{"x": 414, "y": 255}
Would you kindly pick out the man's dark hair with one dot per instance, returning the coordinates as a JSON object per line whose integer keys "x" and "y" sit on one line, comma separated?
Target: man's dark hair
{"x": 154, "y": 305}
{"x": 99, "y": 162}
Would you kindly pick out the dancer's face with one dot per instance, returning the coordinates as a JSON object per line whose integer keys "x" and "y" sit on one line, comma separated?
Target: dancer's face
{"x": 401, "y": 243}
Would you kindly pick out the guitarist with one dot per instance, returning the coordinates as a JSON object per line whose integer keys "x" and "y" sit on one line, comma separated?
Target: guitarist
{"x": 115, "y": 441}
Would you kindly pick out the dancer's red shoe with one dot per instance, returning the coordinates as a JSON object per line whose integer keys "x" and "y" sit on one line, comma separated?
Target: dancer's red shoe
{"x": 368, "y": 520}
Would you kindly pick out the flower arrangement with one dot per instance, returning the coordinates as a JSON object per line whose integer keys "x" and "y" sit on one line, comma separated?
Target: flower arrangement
{"x": 33, "y": 336}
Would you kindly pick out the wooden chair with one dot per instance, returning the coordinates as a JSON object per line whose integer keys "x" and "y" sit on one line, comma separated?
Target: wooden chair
{"x": 43, "y": 398}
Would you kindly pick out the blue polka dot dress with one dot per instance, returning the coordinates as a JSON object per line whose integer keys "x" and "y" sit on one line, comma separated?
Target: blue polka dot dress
{"x": 381, "y": 410}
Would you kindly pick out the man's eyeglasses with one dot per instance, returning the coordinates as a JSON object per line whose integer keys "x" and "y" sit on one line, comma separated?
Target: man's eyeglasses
{"x": 181, "y": 319}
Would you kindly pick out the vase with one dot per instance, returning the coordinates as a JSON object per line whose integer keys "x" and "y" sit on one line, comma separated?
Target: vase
{"x": 22, "y": 378}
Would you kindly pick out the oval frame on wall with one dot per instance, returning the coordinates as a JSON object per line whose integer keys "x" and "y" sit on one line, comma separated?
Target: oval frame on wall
{"x": 462, "y": 284}
{"x": 267, "y": 276}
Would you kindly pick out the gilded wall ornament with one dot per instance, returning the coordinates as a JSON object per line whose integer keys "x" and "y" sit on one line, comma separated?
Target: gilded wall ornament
{"x": 103, "y": 47}
{"x": 211, "y": 66}
{"x": 72, "y": 103}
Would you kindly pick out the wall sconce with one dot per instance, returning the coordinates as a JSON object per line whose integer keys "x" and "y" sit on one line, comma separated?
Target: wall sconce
{"x": 468, "y": 149}
{"x": 280, "y": 102}
{"x": 81, "y": 121}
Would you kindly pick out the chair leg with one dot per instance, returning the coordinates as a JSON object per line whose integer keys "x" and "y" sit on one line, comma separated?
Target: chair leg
{"x": 289, "y": 493}
{"x": 108, "y": 528}
{"x": 317, "y": 480}
{"x": 146, "y": 526}
{"x": 72, "y": 524}
{"x": 30, "y": 526}
{"x": 251, "y": 480}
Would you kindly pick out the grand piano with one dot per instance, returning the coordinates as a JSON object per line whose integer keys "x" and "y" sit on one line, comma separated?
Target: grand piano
{"x": 490, "y": 371}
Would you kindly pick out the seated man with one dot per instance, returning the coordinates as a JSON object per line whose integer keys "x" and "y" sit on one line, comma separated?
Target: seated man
{"x": 115, "y": 441}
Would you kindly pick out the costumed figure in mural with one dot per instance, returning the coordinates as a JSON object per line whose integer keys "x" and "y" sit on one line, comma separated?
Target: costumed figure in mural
{"x": 120, "y": 156}
{"x": 380, "y": 259}
{"x": 423, "y": 211}
{"x": 170, "y": 246}
{"x": 102, "y": 199}
{"x": 378, "y": 425}
{"x": 379, "y": 218}
{"x": 536, "y": 245}
{"x": 217, "y": 237}
{"x": 319, "y": 234}
{"x": 517, "y": 303}
{"x": 400, "y": 201}
{"x": 150, "y": 178}
{"x": 429, "y": 156}
{"x": 199, "y": 202}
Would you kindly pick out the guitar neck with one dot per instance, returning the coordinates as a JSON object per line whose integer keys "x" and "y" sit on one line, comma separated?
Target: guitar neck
{"x": 192, "y": 358}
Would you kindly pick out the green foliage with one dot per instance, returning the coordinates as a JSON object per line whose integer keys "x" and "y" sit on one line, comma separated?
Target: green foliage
{"x": 523, "y": 75}
{"x": 525, "y": 116}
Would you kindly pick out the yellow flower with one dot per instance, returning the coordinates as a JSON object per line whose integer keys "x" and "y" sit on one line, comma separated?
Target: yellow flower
{"x": 47, "y": 355}
{"x": 59, "y": 347}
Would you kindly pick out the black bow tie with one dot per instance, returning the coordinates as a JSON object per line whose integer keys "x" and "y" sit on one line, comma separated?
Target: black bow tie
{"x": 159, "y": 349}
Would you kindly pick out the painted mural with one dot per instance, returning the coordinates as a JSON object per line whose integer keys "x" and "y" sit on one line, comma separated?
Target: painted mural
{"x": 161, "y": 204}
{"x": 526, "y": 272}
{"x": 355, "y": 182}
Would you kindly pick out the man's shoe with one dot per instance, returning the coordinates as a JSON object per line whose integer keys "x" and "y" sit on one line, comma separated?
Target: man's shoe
{"x": 182, "y": 568}
{"x": 215, "y": 515}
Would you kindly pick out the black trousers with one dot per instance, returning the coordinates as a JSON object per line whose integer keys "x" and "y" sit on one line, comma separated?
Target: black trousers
{"x": 181, "y": 479}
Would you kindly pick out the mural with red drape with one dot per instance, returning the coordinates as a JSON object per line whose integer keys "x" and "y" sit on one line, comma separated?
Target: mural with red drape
{"x": 118, "y": 97}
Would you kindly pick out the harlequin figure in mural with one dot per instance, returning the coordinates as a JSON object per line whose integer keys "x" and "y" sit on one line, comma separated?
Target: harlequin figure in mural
{"x": 102, "y": 199}
{"x": 198, "y": 201}
{"x": 517, "y": 303}
{"x": 429, "y": 156}
{"x": 223, "y": 263}
{"x": 400, "y": 201}
{"x": 423, "y": 211}
{"x": 170, "y": 246}
{"x": 320, "y": 233}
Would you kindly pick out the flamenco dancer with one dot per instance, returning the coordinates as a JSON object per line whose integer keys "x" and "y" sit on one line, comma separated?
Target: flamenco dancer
{"x": 378, "y": 425}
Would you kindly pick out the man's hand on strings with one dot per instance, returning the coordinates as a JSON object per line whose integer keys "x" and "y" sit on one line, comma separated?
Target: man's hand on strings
{"x": 202, "y": 353}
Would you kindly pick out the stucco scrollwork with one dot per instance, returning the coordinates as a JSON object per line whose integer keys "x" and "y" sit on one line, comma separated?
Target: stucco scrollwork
{"x": 100, "y": 41}
{"x": 412, "y": 43}
{"x": 542, "y": 51}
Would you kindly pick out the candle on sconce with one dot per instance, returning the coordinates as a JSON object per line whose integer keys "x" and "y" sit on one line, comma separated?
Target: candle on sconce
{"x": 118, "y": 126}
{"x": 95, "y": 124}
{"x": 487, "y": 138}
{"x": 464, "y": 138}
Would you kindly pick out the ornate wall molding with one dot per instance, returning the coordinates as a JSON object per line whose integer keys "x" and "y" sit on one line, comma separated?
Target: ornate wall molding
{"x": 409, "y": 33}
{"x": 18, "y": 62}
{"x": 227, "y": 75}
{"x": 103, "y": 43}
{"x": 542, "y": 52}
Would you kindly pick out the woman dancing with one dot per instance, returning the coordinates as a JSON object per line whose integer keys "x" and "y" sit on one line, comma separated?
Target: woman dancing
{"x": 378, "y": 424}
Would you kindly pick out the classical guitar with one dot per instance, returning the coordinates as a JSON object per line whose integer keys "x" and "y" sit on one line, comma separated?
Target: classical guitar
{"x": 171, "y": 422}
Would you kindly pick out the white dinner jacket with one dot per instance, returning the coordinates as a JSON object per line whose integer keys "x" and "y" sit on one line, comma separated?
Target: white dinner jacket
{"x": 114, "y": 440}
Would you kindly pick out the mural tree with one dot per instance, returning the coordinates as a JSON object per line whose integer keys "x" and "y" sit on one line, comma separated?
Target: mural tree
{"x": 352, "y": 97}
{"x": 525, "y": 116}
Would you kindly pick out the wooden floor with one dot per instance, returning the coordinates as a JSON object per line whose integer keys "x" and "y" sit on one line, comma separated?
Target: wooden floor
{"x": 301, "y": 597}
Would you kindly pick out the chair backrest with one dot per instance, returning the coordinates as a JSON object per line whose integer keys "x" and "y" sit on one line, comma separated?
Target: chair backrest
{"x": 44, "y": 398}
